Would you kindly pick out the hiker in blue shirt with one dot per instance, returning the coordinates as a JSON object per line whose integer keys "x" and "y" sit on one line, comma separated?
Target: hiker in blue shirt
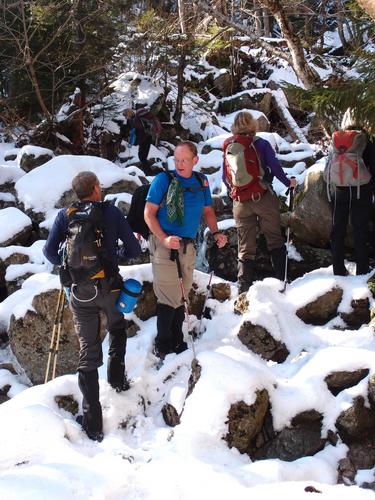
{"x": 96, "y": 294}
{"x": 173, "y": 212}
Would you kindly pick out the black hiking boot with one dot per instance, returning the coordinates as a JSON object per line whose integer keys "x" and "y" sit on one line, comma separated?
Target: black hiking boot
{"x": 94, "y": 436}
{"x": 92, "y": 418}
{"x": 178, "y": 345}
{"x": 245, "y": 275}
{"x": 180, "y": 348}
{"x": 164, "y": 337}
{"x": 122, "y": 387}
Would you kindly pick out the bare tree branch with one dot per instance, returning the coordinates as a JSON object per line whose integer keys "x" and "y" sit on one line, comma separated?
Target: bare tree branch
{"x": 242, "y": 29}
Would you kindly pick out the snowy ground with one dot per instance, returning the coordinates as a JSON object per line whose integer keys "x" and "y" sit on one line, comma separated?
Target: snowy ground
{"x": 45, "y": 453}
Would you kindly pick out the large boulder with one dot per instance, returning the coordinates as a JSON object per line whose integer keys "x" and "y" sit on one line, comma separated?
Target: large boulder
{"x": 221, "y": 291}
{"x": 146, "y": 305}
{"x": 7, "y": 200}
{"x": 223, "y": 84}
{"x": 258, "y": 99}
{"x": 30, "y": 338}
{"x": 16, "y": 227}
{"x": 362, "y": 454}
{"x": 224, "y": 261}
{"x": 360, "y": 314}
{"x": 257, "y": 339}
{"x": 322, "y": 309}
{"x": 312, "y": 258}
{"x": 312, "y": 216}
{"x": 31, "y": 157}
{"x": 338, "y": 381}
{"x": 11, "y": 154}
{"x": 9, "y": 175}
{"x": 357, "y": 422}
{"x": 301, "y": 439}
{"x": 246, "y": 421}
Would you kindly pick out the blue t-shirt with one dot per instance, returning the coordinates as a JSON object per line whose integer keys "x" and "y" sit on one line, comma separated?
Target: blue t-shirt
{"x": 194, "y": 201}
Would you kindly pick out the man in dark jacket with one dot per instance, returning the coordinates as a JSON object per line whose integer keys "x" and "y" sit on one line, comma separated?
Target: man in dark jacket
{"x": 92, "y": 296}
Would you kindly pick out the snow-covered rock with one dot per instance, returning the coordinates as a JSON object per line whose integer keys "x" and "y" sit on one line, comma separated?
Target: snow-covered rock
{"x": 15, "y": 227}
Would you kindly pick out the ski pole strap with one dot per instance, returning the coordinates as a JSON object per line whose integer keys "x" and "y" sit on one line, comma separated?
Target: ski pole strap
{"x": 290, "y": 192}
{"x": 209, "y": 281}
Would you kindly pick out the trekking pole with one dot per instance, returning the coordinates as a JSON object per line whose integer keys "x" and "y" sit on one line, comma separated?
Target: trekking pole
{"x": 204, "y": 303}
{"x": 289, "y": 221}
{"x": 53, "y": 349}
{"x": 175, "y": 256}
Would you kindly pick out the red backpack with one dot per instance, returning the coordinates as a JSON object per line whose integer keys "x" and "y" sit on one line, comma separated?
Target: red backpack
{"x": 345, "y": 166}
{"x": 242, "y": 168}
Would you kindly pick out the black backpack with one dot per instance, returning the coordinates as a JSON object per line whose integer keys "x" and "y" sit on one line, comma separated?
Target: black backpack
{"x": 85, "y": 254}
{"x": 136, "y": 217}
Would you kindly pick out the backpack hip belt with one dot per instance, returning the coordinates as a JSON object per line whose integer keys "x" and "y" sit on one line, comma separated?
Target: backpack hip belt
{"x": 255, "y": 197}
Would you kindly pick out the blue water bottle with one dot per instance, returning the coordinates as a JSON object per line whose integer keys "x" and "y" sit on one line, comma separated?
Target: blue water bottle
{"x": 129, "y": 294}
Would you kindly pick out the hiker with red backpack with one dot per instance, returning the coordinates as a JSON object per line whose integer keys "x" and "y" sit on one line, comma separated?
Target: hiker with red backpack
{"x": 144, "y": 130}
{"x": 84, "y": 242}
{"x": 173, "y": 212}
{"x": 350, "y": 174}
{"x": 249, "y": 166}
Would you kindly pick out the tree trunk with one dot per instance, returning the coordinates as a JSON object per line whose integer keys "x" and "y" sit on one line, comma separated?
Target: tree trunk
{"x": 258, "y": 18}
{"x": 28, "y": 58}
{"x": 181, "y": 65}
{"x": 301, "y": 67}
{"x": 180, "y": 86}
{"x": 368, "y": 6}
{"x": 287, "y": 119}
{"x": 340, "y": 23}
{"x": 266, "y": 23}
{"x": 181, "y": 15}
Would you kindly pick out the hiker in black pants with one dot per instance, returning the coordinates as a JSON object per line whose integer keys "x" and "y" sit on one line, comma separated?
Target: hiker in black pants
{"x": 147, "y": 129}
{"x": 354, "y": 202}
{"x": 93, "y": 295}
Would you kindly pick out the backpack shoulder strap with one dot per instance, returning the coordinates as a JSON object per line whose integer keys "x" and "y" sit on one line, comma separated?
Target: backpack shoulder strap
{"x": 200, "y": 178}
{"x": 170, "y": 176}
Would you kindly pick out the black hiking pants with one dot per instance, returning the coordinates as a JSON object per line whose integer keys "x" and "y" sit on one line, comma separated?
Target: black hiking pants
{"x": 345, "y": 205}
{"x": 144, "y": 142}
{"x": 86, "y": 304}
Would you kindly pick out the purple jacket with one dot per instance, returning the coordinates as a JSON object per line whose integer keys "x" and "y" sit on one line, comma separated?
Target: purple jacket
{"x": 269, "y": 160}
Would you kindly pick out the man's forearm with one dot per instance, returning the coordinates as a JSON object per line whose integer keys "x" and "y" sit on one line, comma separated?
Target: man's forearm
{"x": 210, "y": 220}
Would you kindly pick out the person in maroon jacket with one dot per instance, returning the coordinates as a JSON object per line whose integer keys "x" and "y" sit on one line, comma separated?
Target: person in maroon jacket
{"x": 255, "y": 202}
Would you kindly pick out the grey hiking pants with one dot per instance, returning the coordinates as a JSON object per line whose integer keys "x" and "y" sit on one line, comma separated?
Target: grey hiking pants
{"x": 247, "y": 213}
{"x": 166, "y": 283}
{"x": 86, "y": 316}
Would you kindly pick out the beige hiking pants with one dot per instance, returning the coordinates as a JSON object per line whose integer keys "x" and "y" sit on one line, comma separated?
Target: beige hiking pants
{"x": 246, "y": 214}
{"x": 166, "y": 282}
